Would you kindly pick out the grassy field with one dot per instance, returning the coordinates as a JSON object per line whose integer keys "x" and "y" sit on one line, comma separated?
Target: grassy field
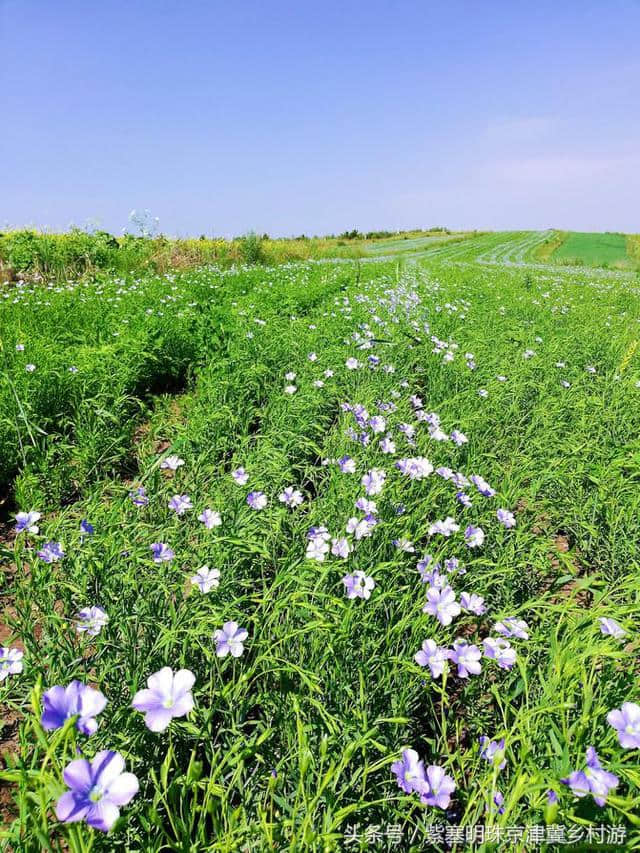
{"x": 213, "y": 456}
{"x": 593, "y": 249}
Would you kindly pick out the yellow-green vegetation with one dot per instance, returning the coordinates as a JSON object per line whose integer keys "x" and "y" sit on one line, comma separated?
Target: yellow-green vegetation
{"x": 35, "y": 254}
{"x": 633, "y": 246}
{"x": 545, "y": 250}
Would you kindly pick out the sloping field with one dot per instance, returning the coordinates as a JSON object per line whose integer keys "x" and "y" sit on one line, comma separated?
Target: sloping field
{"x": 328, "y": 556}
{"x": 593, "y": 249}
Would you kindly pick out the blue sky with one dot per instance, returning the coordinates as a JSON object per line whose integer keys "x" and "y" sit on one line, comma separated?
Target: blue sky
{"x": 292, "y": 117}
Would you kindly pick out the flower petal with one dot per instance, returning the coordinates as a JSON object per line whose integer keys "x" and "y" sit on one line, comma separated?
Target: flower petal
{"x": 78, "y": 776}
{"x": 146, "y": 700}
{"x": 183, "y": 681}
{"x": 107, "y": 766}
{"x": 103, "y": 815}
{"x": 157, "y": 719}
{"x": 123, "y": 789}
{"x": 71, "y": 807}
{"x": 161, "y": 681}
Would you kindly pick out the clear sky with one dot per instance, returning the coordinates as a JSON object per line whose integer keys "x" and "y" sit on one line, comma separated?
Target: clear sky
{"x": 315, "y": 117}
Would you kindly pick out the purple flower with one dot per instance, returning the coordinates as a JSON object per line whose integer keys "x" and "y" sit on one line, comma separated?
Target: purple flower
{"x": 347, "y": 465}
{"x": 27, "y": 521}
{"x": 51, "y": 552}
{"x": 434, "y": 656}
{"x": 409, "y": 771}
{"x": 444, "y": 528}
{"x": 497, "y": 802}
{"x": 466, "y": 657}
{"x": 62, "y": 703}
{"x": 404, "y": 545}
{"x": 453, "y": 565}
{"x": 506, "y": 518}
{"x": 386, "y": 445}
{"x": 377, "y": 424}
{"x": 593, "y": 780}
{"x": 291, "y": 496}
{"x": 438, "y": 434}
{"x": 499, "y": 650}
{"x": 473, "y": 536}
{"x": 92, "y": 620}
{"x": 206, "y": 579}
{"x": 210, "y": 519}
{"x": 552, "y": 798}
{"x": 626, "y": 722}
{"x": 415, "y": 467}
{"x": 373, "y": 481}
{"x": 361, "y": 528}
{"x": 358, "y": 585}
{"x": 139, "y": 496}
{"x": 492, "y": 751}
{"x": 166, "y": 696}
{"x": 610, "y": 628}
{"x": 240, "y": 476}
{"x": 409, "y": 431}
{"x": 437, "y": 788}
{"x": 257, "y": 500}
{"x": 423, "y": 565}
{"x": 433, "y": 577}
{"x": 459, "y": 480}
{"x": 512, "y": 627}
{"x": 458, "y": 438}
{"x": 464, "y": 499}
{"x": 10, "y": 662}
{"x": 229, "y": 640}
{"x": 171, "y": 463}
{"x": 482, "y": 486}
{"x": 444, "y": 472}
{"x": 86, "y": 528}
{"x": 161, "y": 552}
{"x": 366, "y": 506}
{"x": 318, "y": 548}
{"x": 472, "y": 603}
{"x": 341, "y": 547}
{"x": 180, "y": 504}
{"x": 442, "y": 604}
{"x": 98, "y": 789}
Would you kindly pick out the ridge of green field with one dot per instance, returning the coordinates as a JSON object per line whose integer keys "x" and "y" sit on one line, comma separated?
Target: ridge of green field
{"x": 470, "y": 250}
{"x": 94, "y": 355}
{"x": 403, "y": 245}
{"x": 594, "y": 249}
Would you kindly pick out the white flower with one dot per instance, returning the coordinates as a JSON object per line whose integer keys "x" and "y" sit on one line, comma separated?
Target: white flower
{"x": 206, "y": 579}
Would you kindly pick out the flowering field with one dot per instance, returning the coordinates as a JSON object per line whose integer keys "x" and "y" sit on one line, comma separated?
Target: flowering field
{"x": 320, "y": 557}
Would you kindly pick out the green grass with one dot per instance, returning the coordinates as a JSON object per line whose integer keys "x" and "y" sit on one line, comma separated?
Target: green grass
{"x": 593, "y": 249}
{"x": 289, "y": 746}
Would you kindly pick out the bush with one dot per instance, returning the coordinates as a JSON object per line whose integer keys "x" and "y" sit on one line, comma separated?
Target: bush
{"x": 251, "y": 250}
